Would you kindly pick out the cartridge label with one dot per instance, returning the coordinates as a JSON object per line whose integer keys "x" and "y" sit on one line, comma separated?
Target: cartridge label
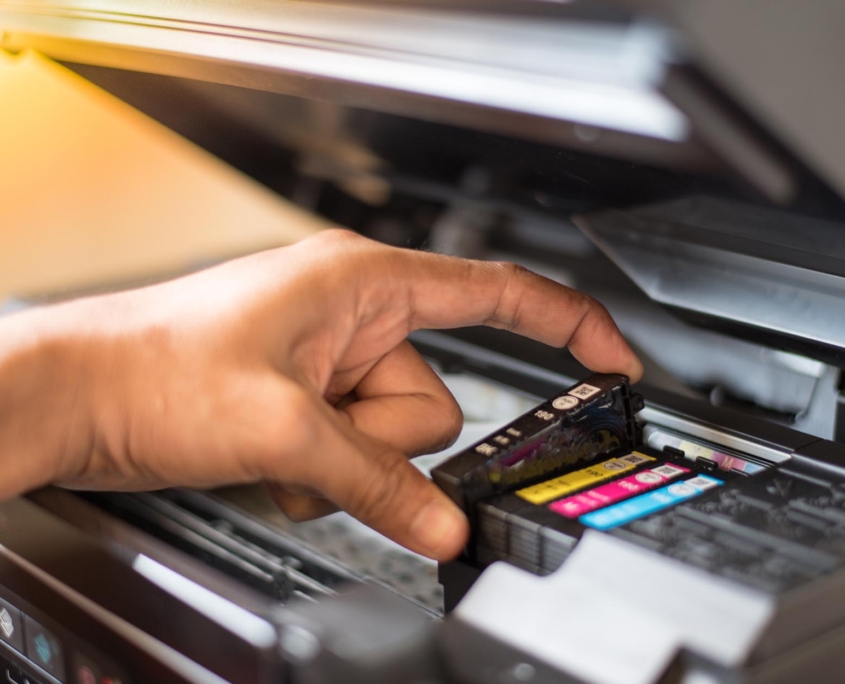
{"x": 557, "y": 487}
{"x": 584, "y": 391}
{"x": 610, "y": 493}
{"x": 565, "y": 403}
{"x": 645, "y": 504}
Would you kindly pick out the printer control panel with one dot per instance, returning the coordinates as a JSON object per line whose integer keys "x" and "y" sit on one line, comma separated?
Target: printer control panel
{"x": 36, "y": 650}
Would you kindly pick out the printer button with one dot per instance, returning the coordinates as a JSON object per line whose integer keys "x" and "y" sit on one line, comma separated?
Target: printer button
{"x": 11, "y": 626}
{"x": 44, "y": 649}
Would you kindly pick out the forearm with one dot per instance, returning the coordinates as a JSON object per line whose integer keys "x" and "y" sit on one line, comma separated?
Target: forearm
{"x": 45, "y": 427}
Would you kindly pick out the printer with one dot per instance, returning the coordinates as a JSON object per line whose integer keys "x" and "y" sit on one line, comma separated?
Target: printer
{"x": 680, "y": 160}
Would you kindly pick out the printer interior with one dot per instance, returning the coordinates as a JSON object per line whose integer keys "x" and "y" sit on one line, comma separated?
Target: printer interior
{"x": 639, "y": 152}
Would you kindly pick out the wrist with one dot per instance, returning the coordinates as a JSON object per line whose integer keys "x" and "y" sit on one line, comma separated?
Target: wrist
{"x": 45, "y": 426}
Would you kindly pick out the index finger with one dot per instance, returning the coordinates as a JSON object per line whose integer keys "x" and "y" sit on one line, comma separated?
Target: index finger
{"x": 446, "y": 292}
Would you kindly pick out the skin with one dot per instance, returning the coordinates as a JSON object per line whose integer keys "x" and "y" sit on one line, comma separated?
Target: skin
{"x": 288, "y": 367}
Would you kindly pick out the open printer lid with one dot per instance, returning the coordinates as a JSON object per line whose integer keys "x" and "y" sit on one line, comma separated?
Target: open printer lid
{"x": 741, "y": 100}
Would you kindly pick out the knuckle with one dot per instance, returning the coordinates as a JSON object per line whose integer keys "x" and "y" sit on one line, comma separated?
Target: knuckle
{"x": 347, "y": 243}
{"x": 596, "y": 310}
{"x": 338, "y": 236}
{"x": 510, "y": 270}
{"x": 589, "y": 303}
{"x": 353, "y": 252}
{"x": 508, "y": 309}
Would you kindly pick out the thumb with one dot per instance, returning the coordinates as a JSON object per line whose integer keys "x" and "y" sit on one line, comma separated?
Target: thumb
{"x": 376, "y": 484}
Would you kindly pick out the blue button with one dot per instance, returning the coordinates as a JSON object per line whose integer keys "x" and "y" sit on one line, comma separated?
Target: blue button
{"x": 44, "y": 649}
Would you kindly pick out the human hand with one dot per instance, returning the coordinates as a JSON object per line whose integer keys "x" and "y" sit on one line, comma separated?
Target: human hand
{"x": 289, "y": 367}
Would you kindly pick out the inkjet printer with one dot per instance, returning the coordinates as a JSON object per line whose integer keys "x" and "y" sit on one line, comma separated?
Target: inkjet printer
{"x": 683, "y": 162}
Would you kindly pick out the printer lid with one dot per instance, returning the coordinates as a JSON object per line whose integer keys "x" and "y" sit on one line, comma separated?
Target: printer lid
{"x": 748, "y": 91}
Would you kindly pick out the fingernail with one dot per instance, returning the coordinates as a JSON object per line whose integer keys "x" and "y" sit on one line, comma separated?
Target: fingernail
{"x": 436, "y": 528}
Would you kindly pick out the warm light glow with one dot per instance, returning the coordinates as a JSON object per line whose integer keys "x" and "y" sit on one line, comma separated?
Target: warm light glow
{"x": 94, "y": 192}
